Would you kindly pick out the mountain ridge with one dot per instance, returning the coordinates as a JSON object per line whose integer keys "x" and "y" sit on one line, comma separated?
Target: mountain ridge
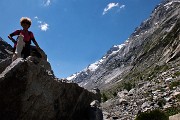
{"x": 164, "y": 15}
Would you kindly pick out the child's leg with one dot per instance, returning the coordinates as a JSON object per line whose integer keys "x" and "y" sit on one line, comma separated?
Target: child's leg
{"x": 19, "y": 47}
{"x": 26, "y": 51}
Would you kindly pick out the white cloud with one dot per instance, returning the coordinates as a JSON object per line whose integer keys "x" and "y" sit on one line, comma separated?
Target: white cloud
{"x": 109, "y": 7}
{"x": 112, "y": 5}
{"x": 44, "y": 26}
{"x": 122, "y": 6}
{"x": 47, "y": 2}
{"x": 40, "y": 22}
{"x": 36, "y": 17}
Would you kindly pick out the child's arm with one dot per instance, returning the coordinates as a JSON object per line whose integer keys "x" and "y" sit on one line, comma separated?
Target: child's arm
{"x": 34, "y": 41}
{"x": 10, "y": 36}
{"x": 12, "y": 39}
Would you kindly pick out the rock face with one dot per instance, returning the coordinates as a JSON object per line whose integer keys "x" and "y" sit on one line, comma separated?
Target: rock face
{"x": 175, "y": 117}
{"x": 30, "y": 91}
{"x": 5, "y": 54}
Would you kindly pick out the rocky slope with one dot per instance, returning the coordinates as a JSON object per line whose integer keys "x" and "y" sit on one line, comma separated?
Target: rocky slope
{"x": 161, "y": 92}
{"x": 30, "y": 91}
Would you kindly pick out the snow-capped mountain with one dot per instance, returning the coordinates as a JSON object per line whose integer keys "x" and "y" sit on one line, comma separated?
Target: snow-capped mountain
{"x": 147, "y": 46}
{"x": 92, "y": 67}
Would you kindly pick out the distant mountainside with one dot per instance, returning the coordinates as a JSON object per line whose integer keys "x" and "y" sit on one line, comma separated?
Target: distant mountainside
{"x": 155, "y": 43}
{"x": 143, "y": 74}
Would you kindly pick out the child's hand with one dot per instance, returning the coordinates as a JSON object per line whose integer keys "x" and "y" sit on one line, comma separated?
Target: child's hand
{"x": 38, "y": 48}
{"x": 13, "y": 40}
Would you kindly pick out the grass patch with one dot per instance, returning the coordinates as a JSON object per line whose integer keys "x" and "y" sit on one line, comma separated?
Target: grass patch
{"x": 152, "y": 115}
{"x": 172, "y": 110}
{"x": 177, "y": 73}
{"x": 174, "y": 84}
{"x": 104, "y": 97}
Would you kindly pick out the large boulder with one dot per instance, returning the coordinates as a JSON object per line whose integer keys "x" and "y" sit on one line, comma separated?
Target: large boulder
{"x": 175, "y": 117}
{"x": 29, "y": 91}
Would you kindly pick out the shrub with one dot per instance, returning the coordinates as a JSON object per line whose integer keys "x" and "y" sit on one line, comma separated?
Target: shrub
{"x": 172, "y": 110}
{"x": 114, "y": 94}
{"x": 152, "y": 115}
{"x": 104, "y": 97}
{"x": 174, "y": 84}
{"x": 161, "y": 102}
{"x": 177, "y": 73}
{"x": 128, "y": 86}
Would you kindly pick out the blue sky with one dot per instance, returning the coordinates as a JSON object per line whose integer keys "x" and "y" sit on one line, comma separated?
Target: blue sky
{"x": 75, "y": 33}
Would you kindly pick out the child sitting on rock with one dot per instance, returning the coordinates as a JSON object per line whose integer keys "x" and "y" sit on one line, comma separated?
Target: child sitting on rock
{"x": 22, "y": 45}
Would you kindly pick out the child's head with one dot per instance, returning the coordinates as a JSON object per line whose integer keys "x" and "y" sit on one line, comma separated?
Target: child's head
{"x": 25, "y": 20}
